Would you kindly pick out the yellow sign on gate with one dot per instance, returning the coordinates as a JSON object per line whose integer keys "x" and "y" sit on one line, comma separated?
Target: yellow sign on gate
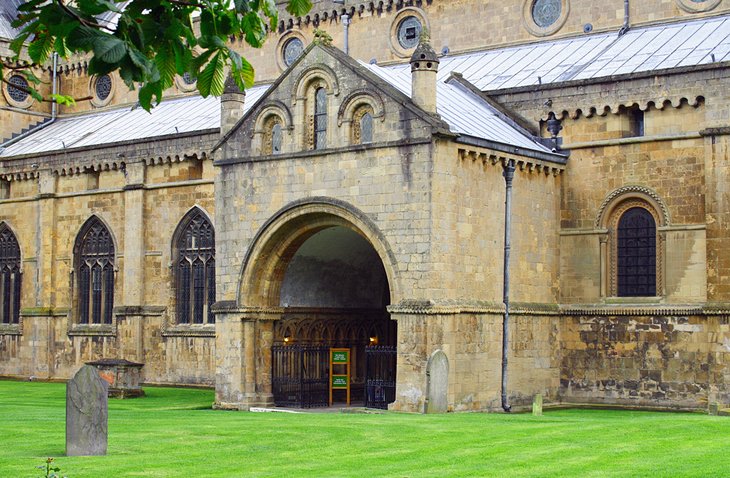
{"x": 340, "y": 378}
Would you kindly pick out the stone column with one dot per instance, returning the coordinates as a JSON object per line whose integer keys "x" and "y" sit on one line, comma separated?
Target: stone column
{"x": 134, "y": 249}
{"x": 229, "y": 361}
{"x": 410, "y": 391}
{"x": 38, "y": 320}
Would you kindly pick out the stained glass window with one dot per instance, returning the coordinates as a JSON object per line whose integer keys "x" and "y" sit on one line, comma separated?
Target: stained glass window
{"x": 366, "y": 128}
{"x": 320, "y": 119}
{"x": 195, "y": 271}
{"x": 95, "y": 271}
{"x": 409, "y": 32}
{"x": 103, "y": 87}
{"x": 276, "y": 138}
{"x": 10, "y": 277}
{"x": 292, "y": 50}
{"x": 16, "y": 93}
{"x": 636, "y": 253}
{"x": 546, "y": 12}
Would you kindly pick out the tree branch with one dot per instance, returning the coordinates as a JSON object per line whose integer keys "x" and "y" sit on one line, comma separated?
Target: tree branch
{"x": 83, "y": 21}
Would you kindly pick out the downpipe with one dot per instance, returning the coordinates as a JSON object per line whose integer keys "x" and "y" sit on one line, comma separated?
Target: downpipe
{"x": 54, "y": 109}
{"x": 508, "y": 173}
{"x": 626, "y": 26}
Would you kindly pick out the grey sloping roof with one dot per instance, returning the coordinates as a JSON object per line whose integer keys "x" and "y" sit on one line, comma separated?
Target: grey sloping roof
{"x": 172, "y": 116}
{"x": 594, "y": 56}
{"x": 8, "y": 13}
{"x": 465, "y": 112}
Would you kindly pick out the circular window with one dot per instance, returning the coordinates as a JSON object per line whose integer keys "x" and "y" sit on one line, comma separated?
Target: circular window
{"x": 292, "y": 50}
{"x": 103, "y": 87}
{"x": 188, "y": 79}
{"x": 546, "y": 12}
{"x": 409, "y": 32}
{"x": 16, "y": 94}
{"x": 544, "y": 17}
{"x": 694, "y": 6}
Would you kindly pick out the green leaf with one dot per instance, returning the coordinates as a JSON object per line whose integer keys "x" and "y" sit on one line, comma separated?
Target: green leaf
{"x": 212, "y": 78}
{"x": 165, "y": 61}
{"x": 298, "y": 8}
{"x": 254, "y": 29}
{"x": 63, "y": 100}
{"x": 244, "y": 75}
{"x": 109, "y": 49}
{"x": 17, "y": 44}
{"x": 83, "y": 38}
{"x": 207, "y": 24}
{"x": 41, "y": 47}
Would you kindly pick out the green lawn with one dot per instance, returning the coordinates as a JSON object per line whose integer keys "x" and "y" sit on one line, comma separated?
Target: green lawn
{"x": 173, "y": 432}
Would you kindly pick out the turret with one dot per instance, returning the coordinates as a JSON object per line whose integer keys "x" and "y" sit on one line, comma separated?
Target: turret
{"x": 424, "y": 67}
{"x": 232, "y": 101}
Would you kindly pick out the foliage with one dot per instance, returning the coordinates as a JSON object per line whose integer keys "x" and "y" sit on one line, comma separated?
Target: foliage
{"x": 321, "y": 37}
{"x": 174, "y": 432}
{"x": 50, "y": 471}
{"x": 151, "y": 41}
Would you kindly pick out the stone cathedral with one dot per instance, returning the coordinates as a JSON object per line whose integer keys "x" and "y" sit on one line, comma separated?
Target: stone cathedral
{"x": 558, "y": 170}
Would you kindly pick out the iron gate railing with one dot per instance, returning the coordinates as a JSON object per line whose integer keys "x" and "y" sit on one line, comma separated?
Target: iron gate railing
{"x": 380, "y": 363}
{"x": 300, "y": 375}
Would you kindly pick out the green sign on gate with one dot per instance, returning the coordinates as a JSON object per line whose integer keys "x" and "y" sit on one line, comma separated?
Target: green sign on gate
{"x": 340, "y": 356}
{"x": 339, "y": 381}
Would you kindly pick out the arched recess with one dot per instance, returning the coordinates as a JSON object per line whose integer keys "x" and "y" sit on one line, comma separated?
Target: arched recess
{"x": 317, "y": 74}
{"x": 279, "y": 239}
{"x": 613, "y": 208}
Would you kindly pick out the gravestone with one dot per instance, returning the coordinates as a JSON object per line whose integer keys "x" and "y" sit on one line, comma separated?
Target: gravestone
{"x": 437, "y": 372}
{"x": 537, "y": 405}
{"x": 714, "y": 409}
{"x": 86, "y": 413}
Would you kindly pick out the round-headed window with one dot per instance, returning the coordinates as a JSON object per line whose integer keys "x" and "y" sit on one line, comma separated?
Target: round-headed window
{"x": 17, "y": 94}
{"x": 409, "y": 32}
{"x": 695, "y": 6}
{"x": 293, "y": 48}
{"x": 546, "y": 12}
{"x": 103, "y": 87}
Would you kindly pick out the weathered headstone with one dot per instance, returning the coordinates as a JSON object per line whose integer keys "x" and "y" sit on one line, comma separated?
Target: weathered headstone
{"x": 537, "y": 405}
{"x": 86, "y": 413}
{"x": 438, "y": 383}
{"x": 714, "y": 409}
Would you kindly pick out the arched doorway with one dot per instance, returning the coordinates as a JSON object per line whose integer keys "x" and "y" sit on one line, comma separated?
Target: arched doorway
{"x": 334, "y": 293}
{"x": 318, "y": 273}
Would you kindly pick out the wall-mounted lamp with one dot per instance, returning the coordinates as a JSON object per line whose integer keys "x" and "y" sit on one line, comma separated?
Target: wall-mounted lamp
{"x": 374, "y": 340}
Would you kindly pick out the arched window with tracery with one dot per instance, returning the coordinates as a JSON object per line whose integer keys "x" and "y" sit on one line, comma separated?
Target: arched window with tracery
{"x": 10, "y": 276}
{"x": 320, "y": 118}
{"x": 195, "y": 269}
{"x": 362, "y": 126}
{"x": 636, "y": 253}
{"x": 95, "y": 271}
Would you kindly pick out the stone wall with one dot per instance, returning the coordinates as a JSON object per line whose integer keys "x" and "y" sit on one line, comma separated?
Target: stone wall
{"x": 678, "y": 361}
{"x": 141, "y": 200}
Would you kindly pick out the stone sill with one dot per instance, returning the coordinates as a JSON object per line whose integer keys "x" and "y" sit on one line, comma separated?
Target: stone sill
{"x": 10, "y": 329}
{"x": 98, "y": 330}
{"x": 184, "y": 330}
